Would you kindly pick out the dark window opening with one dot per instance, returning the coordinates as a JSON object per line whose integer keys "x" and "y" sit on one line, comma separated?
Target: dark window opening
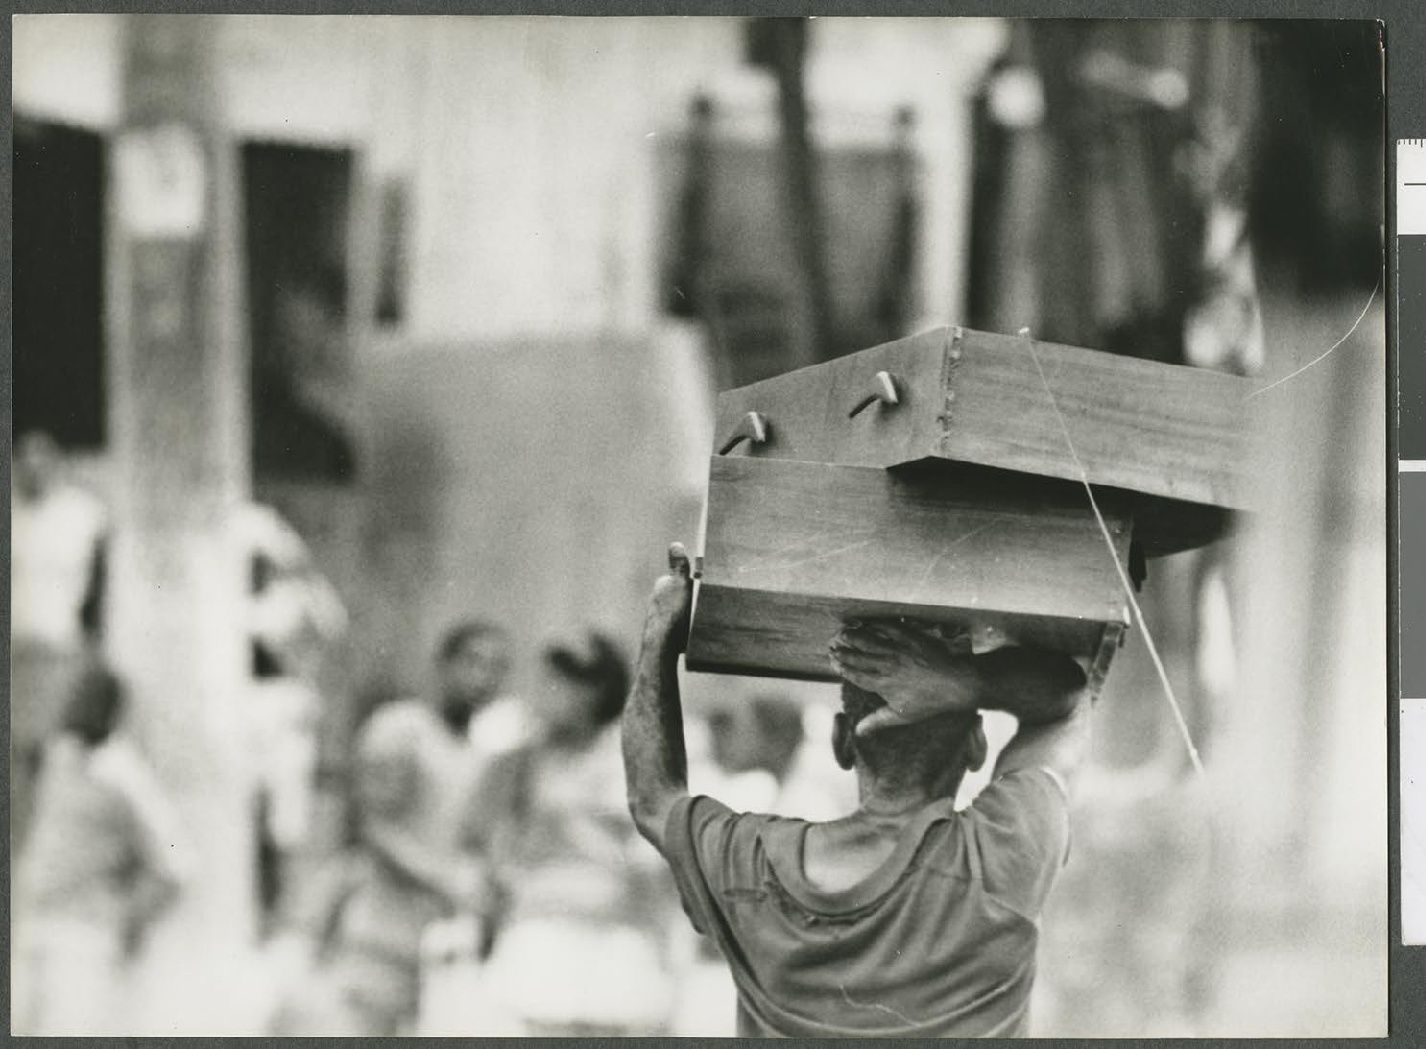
{"x": 296, "y": 206}
{"x": 58, "y": 323}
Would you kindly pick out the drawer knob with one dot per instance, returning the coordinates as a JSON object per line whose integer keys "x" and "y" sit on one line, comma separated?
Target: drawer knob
{"x": 751, "y": 427}
{"x": 885, "y": 392}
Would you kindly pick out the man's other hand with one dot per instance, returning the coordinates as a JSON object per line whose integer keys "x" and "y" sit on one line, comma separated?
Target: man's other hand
{"x": 917, "y": 672}
{"x": 672, "y": 600}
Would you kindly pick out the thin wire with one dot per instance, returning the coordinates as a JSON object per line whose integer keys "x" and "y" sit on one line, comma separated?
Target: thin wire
{"x": 1320, "y": 356}
{"x": 1193, "y": 757}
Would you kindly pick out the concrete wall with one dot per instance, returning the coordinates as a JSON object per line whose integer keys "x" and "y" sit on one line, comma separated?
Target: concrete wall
{"x": 530, "y": 148}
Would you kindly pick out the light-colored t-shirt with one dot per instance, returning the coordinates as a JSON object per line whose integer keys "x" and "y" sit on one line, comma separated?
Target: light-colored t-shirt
{"x": 53, "y": 543}
{"x": 413, "y": 771}
{"x": 939, "y": 941}
{"x": 415, "y": 775}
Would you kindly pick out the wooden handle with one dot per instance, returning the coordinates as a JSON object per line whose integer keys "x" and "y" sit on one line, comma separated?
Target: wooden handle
{"x": 885, "y": 392}
{"x": 751, "y": 427}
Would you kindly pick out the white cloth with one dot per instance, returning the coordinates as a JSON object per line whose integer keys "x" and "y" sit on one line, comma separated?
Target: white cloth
{"x": 583, "y": 944}
{"x": 557, "y": 973}
{"x": 53, "y": 543}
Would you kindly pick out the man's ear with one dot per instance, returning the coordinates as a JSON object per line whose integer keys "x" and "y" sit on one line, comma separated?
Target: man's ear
{"x": 843, "y": 744}
{"x": 977, "y": 748}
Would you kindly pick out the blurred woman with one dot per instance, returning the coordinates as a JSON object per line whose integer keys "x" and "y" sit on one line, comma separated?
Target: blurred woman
{"x": 581, "y": 947}
{"x": 102, "y": 862}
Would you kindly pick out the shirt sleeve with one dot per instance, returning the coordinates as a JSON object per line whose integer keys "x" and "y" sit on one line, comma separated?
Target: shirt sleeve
{"x": 710, "y": 849}
{"x": 1020, "y": 826}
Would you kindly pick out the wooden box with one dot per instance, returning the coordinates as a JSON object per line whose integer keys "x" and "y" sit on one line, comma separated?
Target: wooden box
{"x": 1171, "y": 436}
{"x": 930, "y": 478}
{"x": 793, "y": 549}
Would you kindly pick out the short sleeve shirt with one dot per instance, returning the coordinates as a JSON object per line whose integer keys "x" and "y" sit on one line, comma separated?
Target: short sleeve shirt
{"x": 939, "y": 941}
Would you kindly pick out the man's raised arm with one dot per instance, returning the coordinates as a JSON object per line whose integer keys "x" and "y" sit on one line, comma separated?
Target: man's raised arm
{"x": 655, "y": 763}
{"x": 918, "y": 675}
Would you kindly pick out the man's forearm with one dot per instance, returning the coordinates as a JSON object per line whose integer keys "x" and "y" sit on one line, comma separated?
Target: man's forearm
{"x": 1035, "y": 686}
{"x": 655, "y": 762}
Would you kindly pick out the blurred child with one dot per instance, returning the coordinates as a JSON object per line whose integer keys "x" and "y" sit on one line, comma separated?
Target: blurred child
{"x": 582, "y": 948}
{"x": 102, "y": 862}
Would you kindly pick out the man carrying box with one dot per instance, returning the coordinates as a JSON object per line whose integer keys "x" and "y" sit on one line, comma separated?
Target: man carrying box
{"x": 906, "y": 918}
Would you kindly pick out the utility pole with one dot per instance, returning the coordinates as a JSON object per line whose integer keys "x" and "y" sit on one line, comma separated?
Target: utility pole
{"x": 177, "y": 378}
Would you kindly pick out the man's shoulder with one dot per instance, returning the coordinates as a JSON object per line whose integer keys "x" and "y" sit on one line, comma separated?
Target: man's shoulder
{"x": 1021, "y": 830}
{"x": 700, "y": 813}
{"x": 1023, "y": 790}
{"x": 399, "y": 720}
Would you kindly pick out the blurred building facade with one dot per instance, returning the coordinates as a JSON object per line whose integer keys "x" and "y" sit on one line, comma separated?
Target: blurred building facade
{"x": 451, "y": 252}
{"x": 449, "y": 238}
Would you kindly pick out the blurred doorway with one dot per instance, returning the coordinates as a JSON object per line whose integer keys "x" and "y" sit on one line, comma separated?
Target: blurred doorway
{"x": 297, "y": 202}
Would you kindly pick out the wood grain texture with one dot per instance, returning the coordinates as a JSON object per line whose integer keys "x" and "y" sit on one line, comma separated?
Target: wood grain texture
{"x": 1173, "y": 436}
{"x": 1154, "y": 428}
{"x": 794, "y": 548}
{"x": 807, "y": 410}
{"x": 769, "y": 634}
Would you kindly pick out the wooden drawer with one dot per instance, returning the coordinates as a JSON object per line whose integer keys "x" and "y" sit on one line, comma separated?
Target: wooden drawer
{"x": 795, "y": 548}
{"x": 1171, "y": 436}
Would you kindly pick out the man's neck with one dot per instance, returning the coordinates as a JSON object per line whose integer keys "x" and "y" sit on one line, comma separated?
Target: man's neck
{"x": 895, "y": 803}
{"x": 456, "y": 718}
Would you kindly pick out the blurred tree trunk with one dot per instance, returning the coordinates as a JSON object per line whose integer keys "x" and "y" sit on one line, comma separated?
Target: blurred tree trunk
{"x": 178, "y": 426}
{"x": 781, "y": 45}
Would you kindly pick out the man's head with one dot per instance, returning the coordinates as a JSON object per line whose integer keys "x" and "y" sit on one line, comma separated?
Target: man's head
{"x": 95, "y": 707}
{"x": 763, "y": 732}
{"x": 471, "y": 666}
{"x": 584, "y": 690}
{"x": 930, "y": 756}
{"x": 37, "y": 460}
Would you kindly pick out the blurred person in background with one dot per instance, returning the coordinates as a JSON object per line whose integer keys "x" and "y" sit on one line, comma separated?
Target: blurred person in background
{"x": 907, "y": 917}
{"x": 754, "y": 745}
{"x": 418, "y": 762}
{"x": 295, "y": 616}
{"x": 582, "y": 943}
{"x": 768, "y": 752}
{"x": 57, "y": 533}
{"x": 102, "y": 863}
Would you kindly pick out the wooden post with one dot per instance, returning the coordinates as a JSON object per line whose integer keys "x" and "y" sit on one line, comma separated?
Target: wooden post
{"x": 781, "y": 43}
{"x": 178, "y": 405}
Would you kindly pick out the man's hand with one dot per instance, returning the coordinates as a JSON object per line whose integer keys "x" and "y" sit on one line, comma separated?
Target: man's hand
{"x": 918, "y": 673}
{"x": 670, "y": 604}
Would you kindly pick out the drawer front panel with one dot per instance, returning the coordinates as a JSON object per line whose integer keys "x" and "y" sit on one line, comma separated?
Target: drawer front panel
{"x": 941, "y": 535}
{"x": 772, "y": 634}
